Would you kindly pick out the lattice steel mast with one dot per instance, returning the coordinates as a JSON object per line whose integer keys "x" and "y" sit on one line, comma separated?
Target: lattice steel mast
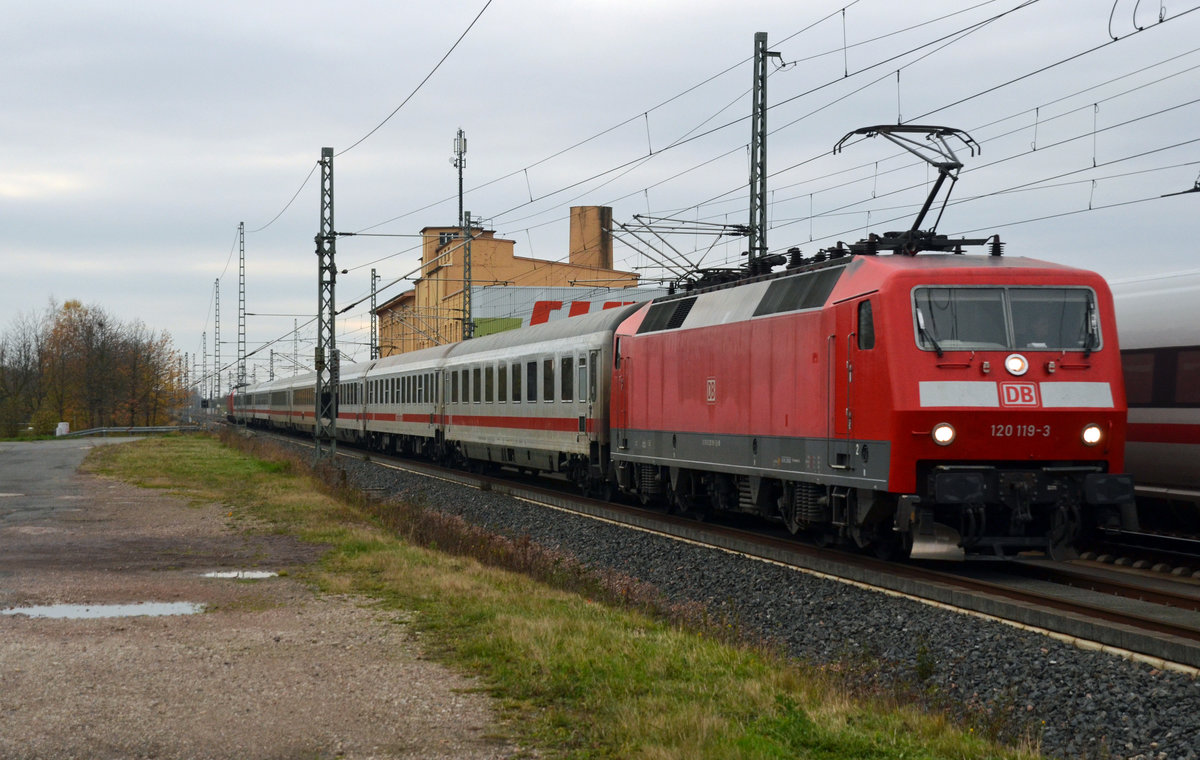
{"x": 241, "y": 376}
{"x": 325, "y": 429}
{"x": 217, "y": 338}
{"x": 758, "y": 153}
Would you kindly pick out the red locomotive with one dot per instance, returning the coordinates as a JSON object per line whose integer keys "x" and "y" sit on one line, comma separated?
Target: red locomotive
{"x": 943, "y": 402}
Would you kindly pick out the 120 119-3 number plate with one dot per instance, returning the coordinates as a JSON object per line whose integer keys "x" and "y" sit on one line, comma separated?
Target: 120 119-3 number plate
{"x": 1020, "y": 431}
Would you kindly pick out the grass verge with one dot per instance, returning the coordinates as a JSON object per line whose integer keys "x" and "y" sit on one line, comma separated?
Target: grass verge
{"x": 581, "y": 666}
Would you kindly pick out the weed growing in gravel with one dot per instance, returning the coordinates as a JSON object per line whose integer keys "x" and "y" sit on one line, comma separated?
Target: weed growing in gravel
{"x": 583, "y": 664}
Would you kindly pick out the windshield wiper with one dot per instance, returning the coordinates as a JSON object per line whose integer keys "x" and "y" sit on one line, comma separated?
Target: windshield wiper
{"x": 926, "y": 334}
{"x": 1090, "y": 339}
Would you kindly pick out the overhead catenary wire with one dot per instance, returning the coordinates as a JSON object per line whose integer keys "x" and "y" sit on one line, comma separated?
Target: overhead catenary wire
{"x": 739, "y": 188}
{"x": 633, "y": 165}
{"x": 688, "y": 138}
{"x": 422, "y": 83}
{"x": 642, "y": 114}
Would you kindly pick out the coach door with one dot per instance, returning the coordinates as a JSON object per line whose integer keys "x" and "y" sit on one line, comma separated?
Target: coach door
{"x": 840, "y": 378}
{"x": 620, "y": 398}
{"x": 438, "y": 418}
{"x": 585, "y": 386}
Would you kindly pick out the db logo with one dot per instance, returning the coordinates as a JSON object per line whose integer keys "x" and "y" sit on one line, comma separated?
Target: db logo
{"x": 710, "y": 390}
{"x": 1019, "y": 394}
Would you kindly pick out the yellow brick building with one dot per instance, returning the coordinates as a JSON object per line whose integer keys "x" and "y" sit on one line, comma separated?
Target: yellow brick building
{"x": 433, "y": 313}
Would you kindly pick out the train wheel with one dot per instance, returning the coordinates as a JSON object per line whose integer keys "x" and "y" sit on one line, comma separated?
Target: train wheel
{"x": 897, "y": 545}
{"x": 1064, "y": 532}
{"x": 607, "y": 490}
{"x": 790, "y": 514}
{"x": 824, "y": 537}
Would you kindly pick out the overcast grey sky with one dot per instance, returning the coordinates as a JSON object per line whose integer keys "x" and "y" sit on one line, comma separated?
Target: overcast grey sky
{"x": 137, "y": 135}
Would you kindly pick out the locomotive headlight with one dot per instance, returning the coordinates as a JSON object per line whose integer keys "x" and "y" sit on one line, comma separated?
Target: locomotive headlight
{"x": 1092, "y": 434}
{"x": 943, "y": 434}
{"x": 1016, "y": 364}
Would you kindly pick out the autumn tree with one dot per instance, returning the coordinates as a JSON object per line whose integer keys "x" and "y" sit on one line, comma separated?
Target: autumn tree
{"x": 79, "y": 365}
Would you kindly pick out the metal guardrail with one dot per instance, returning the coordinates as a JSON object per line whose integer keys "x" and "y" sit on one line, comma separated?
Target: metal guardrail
{"x": 107, "y": 431}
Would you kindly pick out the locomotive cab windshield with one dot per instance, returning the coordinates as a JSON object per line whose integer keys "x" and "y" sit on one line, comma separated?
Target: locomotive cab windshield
{"x": 1005, "y": 318}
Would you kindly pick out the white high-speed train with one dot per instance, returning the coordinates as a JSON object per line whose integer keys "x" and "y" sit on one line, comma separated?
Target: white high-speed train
{"x": 1158, "y": 318}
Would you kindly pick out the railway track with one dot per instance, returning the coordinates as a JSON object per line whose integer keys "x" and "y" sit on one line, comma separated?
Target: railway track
{"x": 1145, "y": 616}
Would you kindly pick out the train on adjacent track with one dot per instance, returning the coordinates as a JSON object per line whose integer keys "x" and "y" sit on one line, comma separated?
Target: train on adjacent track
{"x": 1159, "y": 319}
{"x": 933, "y": 405}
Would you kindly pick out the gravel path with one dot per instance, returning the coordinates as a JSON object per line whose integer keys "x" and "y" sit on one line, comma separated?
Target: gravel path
{"x": 269, "y": 670}
{"x": 1079, "y": 704}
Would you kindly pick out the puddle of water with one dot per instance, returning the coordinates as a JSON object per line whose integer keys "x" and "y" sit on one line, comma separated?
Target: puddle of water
{"x": 35, "y": 530}
{"x": 247, "y": 575}
{"x": 80, "y": 611}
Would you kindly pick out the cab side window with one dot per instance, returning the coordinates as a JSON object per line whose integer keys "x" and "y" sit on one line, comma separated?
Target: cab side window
{"x": 866, "y": 326}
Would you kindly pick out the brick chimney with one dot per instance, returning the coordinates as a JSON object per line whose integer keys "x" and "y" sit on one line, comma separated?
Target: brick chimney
{"x": 591, "y": 236}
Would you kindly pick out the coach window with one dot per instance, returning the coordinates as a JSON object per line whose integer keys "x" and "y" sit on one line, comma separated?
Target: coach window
{"x": 476, "y": 383}
{"x": 1187, "y": 377}
{"x": 531, "y": 381}
{"x": 454, "y": 387}
{"x": 489, "y": 383}
{"x": 516, "y": 382}
{"x": 866, "y": 326}
{"x": 566, "y": 375}
{"x": 502, "y": 382}
{"x": 547, "y": 379}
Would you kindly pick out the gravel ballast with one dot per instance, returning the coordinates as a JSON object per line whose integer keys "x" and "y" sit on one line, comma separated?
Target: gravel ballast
{"x": 1075, "y": 703}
